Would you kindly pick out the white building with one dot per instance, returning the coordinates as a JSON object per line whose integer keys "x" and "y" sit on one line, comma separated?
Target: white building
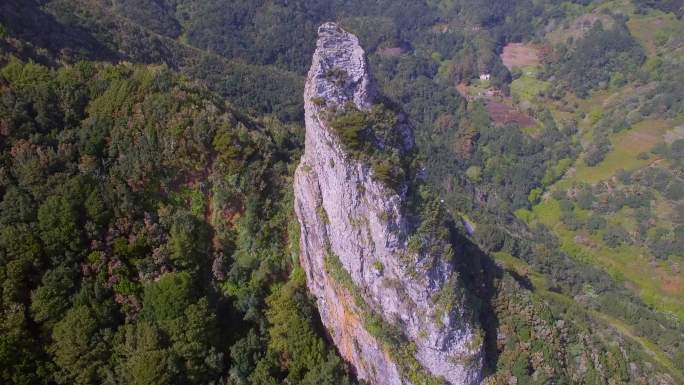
{"x": 485, "y": 76}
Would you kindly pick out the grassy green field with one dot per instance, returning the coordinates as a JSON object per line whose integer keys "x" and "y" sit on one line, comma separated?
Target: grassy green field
{"x": 527, "y": 87}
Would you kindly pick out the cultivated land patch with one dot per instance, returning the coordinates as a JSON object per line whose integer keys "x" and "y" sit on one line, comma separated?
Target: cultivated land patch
{"x": 503, "y": 114}
{"x": 652, "y": 28}
{"x": 527, "y": 88}
{"x": 628, "y": 263}
{"x": 627, "y": 146}
{"x": 654, "y": 281}
{"x": 499, "y": 108}
{"x": 520, "y": 55}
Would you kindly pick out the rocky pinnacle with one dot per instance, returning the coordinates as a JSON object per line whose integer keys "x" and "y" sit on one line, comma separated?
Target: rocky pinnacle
{"x": 385, "y": 317}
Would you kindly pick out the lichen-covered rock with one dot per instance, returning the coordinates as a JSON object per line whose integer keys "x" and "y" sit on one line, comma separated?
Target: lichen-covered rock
{"x": 383, "y": 304}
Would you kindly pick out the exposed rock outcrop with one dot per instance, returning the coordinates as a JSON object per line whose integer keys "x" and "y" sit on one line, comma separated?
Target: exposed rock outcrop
{"x": 396, "y": 315}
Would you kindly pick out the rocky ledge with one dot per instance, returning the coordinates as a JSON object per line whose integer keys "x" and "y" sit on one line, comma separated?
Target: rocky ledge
{"x": 396, "y": 312}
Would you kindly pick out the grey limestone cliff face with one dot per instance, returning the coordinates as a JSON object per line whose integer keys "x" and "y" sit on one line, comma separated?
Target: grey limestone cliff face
{"x": 346, "y": 214}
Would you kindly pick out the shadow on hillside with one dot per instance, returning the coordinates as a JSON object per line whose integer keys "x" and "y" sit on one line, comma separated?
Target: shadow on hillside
{"x": 479, "y": 272}
{"x": 26, "y": 20}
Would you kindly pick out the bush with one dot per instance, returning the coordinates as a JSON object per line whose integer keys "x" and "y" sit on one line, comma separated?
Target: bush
{"x": 534, "y": 195}
{"x": 570, "y": 220}
{"x": 559, "y": 194}
{"x": 595, "y": 155}
{"x": 625, "y": 177}
{"x": 349, "y": 126}
{"x": 318, "y": 101}
{"x": 474, "y": 173}
{"x": 596, "y": 222}
{"x": 566, "y": 205}
{"x": 388, "y": 172}
{"x": 615, "y": 236}
{"x": 675, "y": 190}
{"x": 490, "y": 237}
{"x": 677, "y": 149}
{"x": 585, "y": 199}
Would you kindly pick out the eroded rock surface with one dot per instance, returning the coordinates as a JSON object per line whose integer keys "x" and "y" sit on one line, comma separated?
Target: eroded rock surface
{"x": 381, "y": 303}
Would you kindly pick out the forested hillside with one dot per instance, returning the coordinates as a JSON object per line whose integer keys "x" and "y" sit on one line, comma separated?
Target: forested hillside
{"x": 129, "y": 213}
{"x": 147, "y": 149}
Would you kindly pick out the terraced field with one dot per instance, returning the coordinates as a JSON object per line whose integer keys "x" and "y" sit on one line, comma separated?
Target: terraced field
{"x": 658, "y": 282}
{"x": 653, "y": 281}
{"x": 627, "y": 146}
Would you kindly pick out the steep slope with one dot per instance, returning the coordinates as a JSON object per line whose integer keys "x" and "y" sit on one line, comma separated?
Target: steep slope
{"x": 394, "y": 311}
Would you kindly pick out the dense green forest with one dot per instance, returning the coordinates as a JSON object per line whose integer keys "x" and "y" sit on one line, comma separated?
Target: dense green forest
{"x": 147, "y": 150}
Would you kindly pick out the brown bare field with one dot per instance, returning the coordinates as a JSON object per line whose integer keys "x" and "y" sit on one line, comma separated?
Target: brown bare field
{"x": 462, "y": 89}
{"x": 504, "y": 114}
{"x": 671, "y": 284}
{"x": 520, "y": 55}
{"x": 644, "y": 135}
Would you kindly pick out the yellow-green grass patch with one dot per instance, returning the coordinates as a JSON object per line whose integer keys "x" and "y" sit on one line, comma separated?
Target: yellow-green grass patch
{"x": 647, "y": 29}
{"x": 527, "y": 87}
{"x": 627, "y": 146}
{"x": 623, "y": 217}
{"x": 520, "y": 267}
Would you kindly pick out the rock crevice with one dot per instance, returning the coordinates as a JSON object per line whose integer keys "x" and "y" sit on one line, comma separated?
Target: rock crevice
{"x": 385, "y": 315}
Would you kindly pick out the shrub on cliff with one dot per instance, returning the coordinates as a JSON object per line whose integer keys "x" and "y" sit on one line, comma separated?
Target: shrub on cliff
{"x": 372, "y": 137}
{"x": 349, "y": 126}
{"x": 388, "y": 171}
